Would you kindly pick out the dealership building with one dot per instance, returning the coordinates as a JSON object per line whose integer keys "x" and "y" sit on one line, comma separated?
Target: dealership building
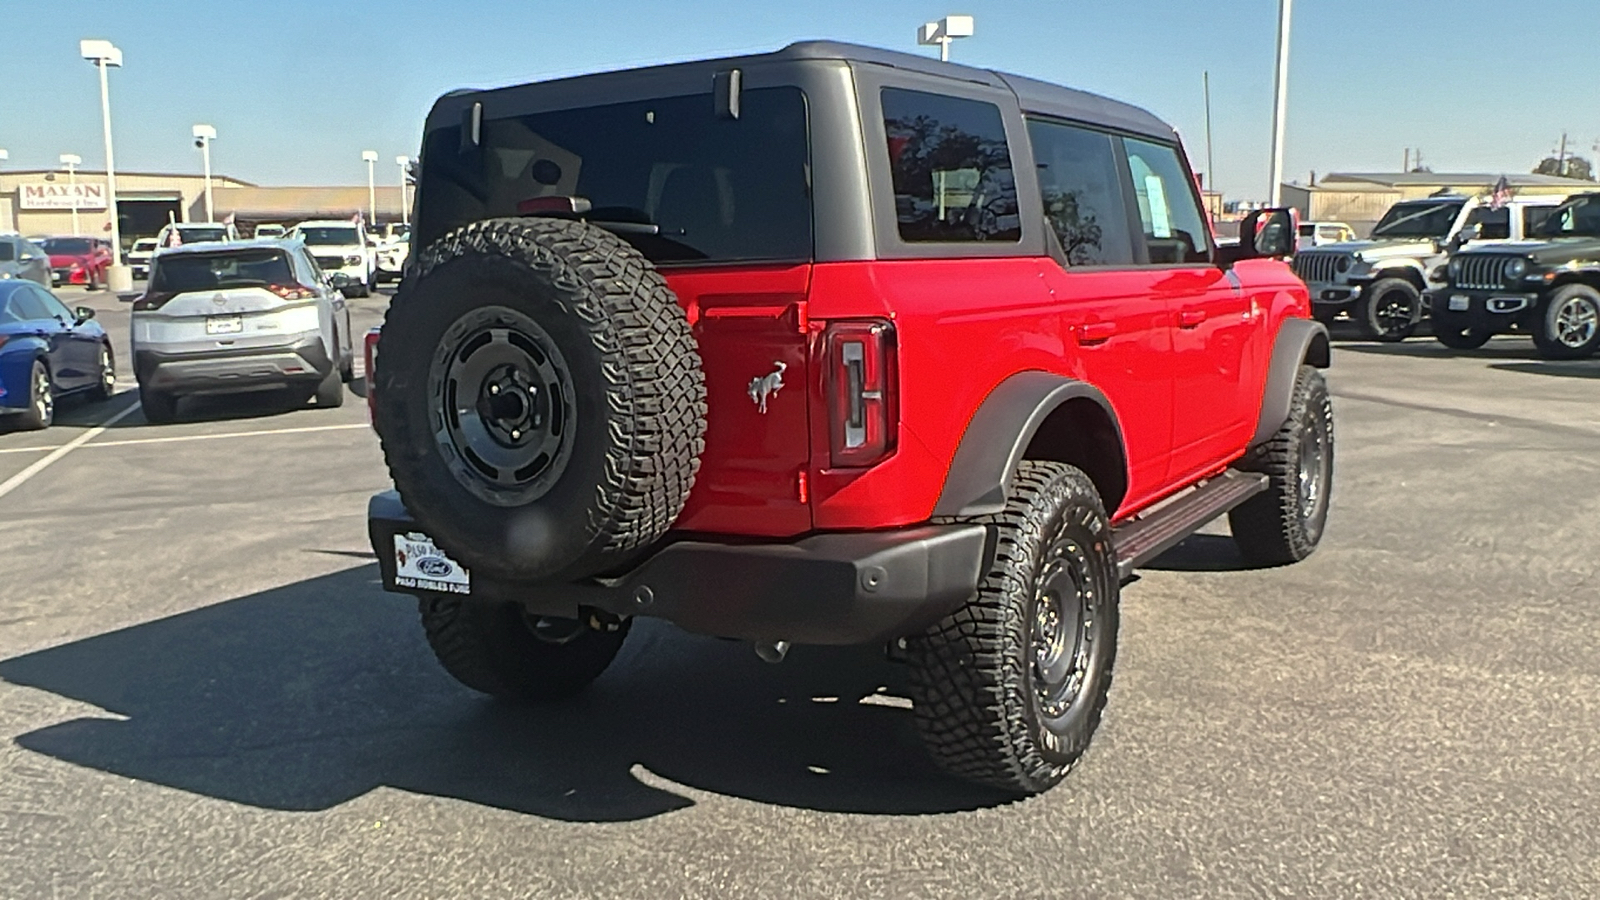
{"x": 42, "y": 201}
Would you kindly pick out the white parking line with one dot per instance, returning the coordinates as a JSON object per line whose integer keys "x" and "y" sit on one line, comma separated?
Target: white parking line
{"x": 191, "y": 437}
{"x": 21, "y": 478}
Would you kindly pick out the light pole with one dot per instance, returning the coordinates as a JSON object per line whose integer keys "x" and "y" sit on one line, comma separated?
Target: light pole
{"x": 203, "y": 136}
{"x": 1280, "y": 107}
{"x": 371, "y": 158}
{"x": 405, "y": 208}
{"x": 943, "y": 32}
{"x": 105, "y": 55}
{"x": 72, "y": 161}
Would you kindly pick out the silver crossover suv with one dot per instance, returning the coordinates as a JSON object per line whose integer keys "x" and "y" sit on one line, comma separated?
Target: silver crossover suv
{"x": 220, "y": 318}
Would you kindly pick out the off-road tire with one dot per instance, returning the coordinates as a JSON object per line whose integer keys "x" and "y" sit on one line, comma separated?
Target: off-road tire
{"x": 491, "y": 647}
{"x": 330, "y": 391}
{"x": 1284, "y": 523}
{"x": 1569, "y": 324}
{"x": 41, "y": 410}
{"x": 107, "y": 385}
{"x": 974, "y": 675}
{"x": 159, "y": 407}
{"x": 638, "y": 400}
{"x": 1373, "y": 312}
{"x": 1458, "y": 337}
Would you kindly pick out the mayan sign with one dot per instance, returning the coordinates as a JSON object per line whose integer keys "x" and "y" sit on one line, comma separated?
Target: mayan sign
{"x": 54, "y": 195}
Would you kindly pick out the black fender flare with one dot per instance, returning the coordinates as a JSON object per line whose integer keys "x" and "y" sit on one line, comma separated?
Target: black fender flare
{"x": 1299, "y": 342}
{"x": 998, "y": 437}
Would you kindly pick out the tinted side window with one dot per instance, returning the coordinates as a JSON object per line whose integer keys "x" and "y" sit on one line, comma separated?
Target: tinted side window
{"x": 1493, "y": 224}
{"x": 1082, "y": 189}
{"x": 53, "y": 307}
{"x": 8, "y": 251}
{"x": 952, "y": 172}
{"x": 1174, "y": 230}
{"x": 1533, "y": 217}
{"x": 26, "y": 304}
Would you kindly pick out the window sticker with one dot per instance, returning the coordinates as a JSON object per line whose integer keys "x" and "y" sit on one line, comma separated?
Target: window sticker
{"x": 1160, "y": 215}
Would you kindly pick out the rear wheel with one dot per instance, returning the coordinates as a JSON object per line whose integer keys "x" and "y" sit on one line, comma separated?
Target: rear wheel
{"x": 1284, "y": 523}
{"x": 159, "y": 408}
{"x": 1389, "y": 310}
{"x": 107, "y": 385}
{"x": 330, "y": 392}
{"x": 1569, "y": 327}
{"x": 1008, "y": 690}
{"x": 502, "y": 650}
{"x": 41, "y": 411}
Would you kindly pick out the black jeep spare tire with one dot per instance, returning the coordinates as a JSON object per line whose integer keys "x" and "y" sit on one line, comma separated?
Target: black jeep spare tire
{"x": 540, "y": 398}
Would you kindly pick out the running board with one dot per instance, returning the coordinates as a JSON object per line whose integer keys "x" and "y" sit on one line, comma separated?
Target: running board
{"x": 1151, "y": 534}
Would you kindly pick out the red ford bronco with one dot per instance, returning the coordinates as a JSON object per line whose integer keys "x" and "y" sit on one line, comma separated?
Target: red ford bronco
{"x": 832, "y": 345}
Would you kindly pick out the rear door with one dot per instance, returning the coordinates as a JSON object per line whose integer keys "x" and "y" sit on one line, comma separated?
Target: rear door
{"x": 1214, "y": 322}
{"x": 1114, "y": 325}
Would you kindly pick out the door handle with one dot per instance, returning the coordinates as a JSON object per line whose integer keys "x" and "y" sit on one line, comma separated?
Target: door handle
{"x": 1191, "y": 318}
{"x": 1096, "y": 332}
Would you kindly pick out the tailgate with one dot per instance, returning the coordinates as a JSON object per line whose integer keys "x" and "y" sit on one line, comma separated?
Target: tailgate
{"x": 751, "y": 326}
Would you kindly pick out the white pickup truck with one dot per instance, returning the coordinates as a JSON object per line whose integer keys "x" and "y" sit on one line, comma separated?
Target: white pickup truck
{"x": 340, "y": 248}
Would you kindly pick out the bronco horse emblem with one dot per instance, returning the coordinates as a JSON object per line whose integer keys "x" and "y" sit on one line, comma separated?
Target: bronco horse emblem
{"x": 767, "y": 386}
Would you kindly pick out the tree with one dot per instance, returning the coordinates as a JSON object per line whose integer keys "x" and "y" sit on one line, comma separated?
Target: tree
{"x": 1574, "y": 167}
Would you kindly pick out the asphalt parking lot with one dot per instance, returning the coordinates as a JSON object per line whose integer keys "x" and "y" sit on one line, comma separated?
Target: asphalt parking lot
{"x": 204, "y": 693}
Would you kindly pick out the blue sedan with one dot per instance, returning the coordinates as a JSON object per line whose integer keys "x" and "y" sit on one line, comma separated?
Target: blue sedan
{"x": 47, "y": 352}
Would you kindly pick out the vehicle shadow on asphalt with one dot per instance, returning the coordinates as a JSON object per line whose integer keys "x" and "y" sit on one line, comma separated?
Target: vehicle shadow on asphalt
{"x": 228, "y": 407}
{"x": 309, "y": 695}
{"x": 1202, "y": 553}
{"x": 1423, "y": 349}
{"x": 1581, "y": 369}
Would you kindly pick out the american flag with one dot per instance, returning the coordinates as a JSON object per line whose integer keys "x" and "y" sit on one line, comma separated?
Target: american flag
{"x": 1501, "y": 195}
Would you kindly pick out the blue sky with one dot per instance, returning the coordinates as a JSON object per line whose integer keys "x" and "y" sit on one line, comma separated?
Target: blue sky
{"x": 298, "y": 88}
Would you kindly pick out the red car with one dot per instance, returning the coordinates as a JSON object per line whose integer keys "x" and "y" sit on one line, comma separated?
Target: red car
{"x": 78, "y": 260}
{"x": 832, "y": 345}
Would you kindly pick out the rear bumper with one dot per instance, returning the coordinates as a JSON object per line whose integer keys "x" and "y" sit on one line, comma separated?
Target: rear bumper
{"x": 305, "y": 361}
{"x": 853, "y": 588}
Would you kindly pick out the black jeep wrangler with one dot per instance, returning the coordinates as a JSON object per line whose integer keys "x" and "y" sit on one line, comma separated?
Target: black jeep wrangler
{"x": 1550, "y": 290}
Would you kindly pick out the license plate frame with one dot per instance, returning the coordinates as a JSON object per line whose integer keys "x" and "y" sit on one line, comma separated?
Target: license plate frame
{"x": 224, "y": 324}
{"x": 419, "y": 565}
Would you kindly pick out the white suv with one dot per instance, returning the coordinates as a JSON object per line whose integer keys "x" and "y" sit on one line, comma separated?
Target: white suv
{"x": 340, "y": 248}
{"x": 245, "y": 316}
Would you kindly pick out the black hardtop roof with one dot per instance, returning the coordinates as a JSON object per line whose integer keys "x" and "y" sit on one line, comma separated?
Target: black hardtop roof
{"x": 1034, "y": 96}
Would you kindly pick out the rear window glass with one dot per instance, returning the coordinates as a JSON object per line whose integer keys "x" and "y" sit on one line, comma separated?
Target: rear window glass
{"x": 66, "y": 245}
{"x": 951, "y": 168}
{"x": 329, "y": 236}
{"x": 181, "y": 272}
{"x": 667, "y": 175}
{"x": 8, "y": 251}
{"x": 201, "y": 235}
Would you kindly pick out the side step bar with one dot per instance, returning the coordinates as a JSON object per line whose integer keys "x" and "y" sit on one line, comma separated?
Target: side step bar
{"x": 1152, "y": 533}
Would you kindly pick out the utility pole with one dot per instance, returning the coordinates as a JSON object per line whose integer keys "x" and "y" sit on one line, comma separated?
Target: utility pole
{"x": 1280, "y": 109}
{"x": 1211, "y": 161}
{"x": 1561, "y": 156}
{"x": 1406, "y": 166}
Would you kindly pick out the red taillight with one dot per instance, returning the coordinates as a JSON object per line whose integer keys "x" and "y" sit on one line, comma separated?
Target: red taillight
{"x": 861, "y": 387}
{"x": 370, "y": 348}
{"x": 153, "y": 300}
{"x": 292, "y": 291}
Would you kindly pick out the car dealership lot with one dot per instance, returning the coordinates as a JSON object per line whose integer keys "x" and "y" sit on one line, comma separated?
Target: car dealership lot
{"x": 203, "y": 692}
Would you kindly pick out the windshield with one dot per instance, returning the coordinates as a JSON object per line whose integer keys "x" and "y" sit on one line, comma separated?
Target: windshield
{"x": 1578, "y": 217}
{"x": 180, "y": 272}
{"x": 1431, "y": 219}
{"x": 667, "y": 175}
{"x": 66, "y": 246}
{"x": 201, "y": 235}
{"x": 329, "y": 236}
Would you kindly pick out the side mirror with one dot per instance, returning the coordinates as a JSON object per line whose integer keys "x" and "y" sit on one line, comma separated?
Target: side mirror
{"x": 130, "y": 297}
{"x": 339, "y": 280}
{"x": 82, "y": 314}
{"x": 1469, "y": 233}
{"x": 1263, "y": 234}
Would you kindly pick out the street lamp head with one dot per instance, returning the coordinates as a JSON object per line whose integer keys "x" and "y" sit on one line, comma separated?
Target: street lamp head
{"x": 71, "y": 159}
{"x": 97, "y": 51}
{"x": 402, "y": 160}
{"x": 945, "y": 30}
{"x": 205, "y": 133}
{"x": 370, "y": 156}
{"x": 5, "y": 155}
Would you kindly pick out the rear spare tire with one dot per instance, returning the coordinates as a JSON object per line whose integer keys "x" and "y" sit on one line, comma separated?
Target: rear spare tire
{"x": 541, "y": 402}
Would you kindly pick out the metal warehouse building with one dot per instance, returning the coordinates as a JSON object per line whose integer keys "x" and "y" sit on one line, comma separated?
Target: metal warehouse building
{"x": 41, "y": 201}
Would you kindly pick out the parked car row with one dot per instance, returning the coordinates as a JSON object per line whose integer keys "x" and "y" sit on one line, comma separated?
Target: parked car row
{"x": 48, "y": 352}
